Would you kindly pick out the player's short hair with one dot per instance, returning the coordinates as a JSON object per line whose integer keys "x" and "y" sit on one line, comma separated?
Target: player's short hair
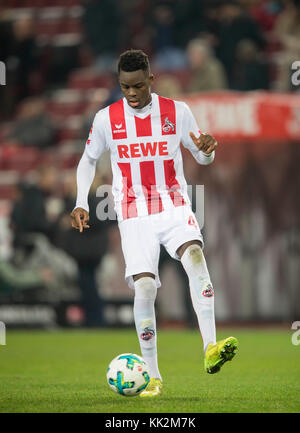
{"x": 133, "y": 60}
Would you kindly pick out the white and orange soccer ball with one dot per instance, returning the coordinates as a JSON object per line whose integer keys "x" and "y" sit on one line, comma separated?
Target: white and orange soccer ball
{"x": 128, "y": 374}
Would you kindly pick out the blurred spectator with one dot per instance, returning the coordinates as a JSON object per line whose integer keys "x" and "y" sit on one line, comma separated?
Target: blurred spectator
{"x": 13, "y": 278}
{"x": 36, "y": 266}
{"x": 265, "y": 13}
{"x": 5, "y": 49}
{"x": 210, "y": 23}
{"x": 101, "y": 21}
{"x": 287, "y": 30}
{"x": 234, "y": 25}
{"x": 164, "y": 27}
{"x": 168, "y": 56}
{"x": 21, "y": 57}
{"x": 57, "y": 63}
{"x": 168, "y": 86}
{"x": 29, "y": 212}
{"x": 188, "y": 19}
{"x": 32, "y": 126}
{"x": 207, "y": 72}
{"x": 86, "y": 248}
{"x": 136, "y": 31}
{"x": 6, "y": 38}
{"x": 249, "y": 72}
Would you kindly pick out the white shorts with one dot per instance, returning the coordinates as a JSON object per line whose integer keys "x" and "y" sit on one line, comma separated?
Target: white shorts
{"x": 141, "y": 238}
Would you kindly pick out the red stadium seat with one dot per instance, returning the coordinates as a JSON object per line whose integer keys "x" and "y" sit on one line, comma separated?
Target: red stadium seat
{"x": 8, "y": 182}
{"x": 64, "y": 109}
{"x": 40, "y": 3}
{"x": 69, "y": 154}
{"x": 43, "y": 27}
{"x": 65, "y": 103}
{"x": 7, "y": 192}
{"x": 69, "y": 129}
{"x": 20, "y": 158}
{"x": 87, "y": 78}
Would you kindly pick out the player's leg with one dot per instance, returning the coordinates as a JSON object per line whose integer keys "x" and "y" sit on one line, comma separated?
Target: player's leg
{"x": 145, "y": 291}
{"x": 193, "y": 261}
{"x": 183, "y": 240}
{"x": 145, "y": 323}
{"x": 201, "y": 289}
{"x": 141, "y": 253}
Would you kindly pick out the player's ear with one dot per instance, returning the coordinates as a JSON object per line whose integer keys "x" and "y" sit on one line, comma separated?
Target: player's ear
{"x": 151, "y": 79}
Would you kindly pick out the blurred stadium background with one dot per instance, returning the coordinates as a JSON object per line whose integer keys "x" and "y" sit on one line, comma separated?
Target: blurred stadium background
{"x": 231, "y": 62}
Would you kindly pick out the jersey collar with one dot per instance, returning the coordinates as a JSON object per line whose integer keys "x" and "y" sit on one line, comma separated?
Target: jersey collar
{"x": 141, "y": 111}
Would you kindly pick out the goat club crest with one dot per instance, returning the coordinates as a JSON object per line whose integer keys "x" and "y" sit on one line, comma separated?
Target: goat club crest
{"x": 168, "y": 126}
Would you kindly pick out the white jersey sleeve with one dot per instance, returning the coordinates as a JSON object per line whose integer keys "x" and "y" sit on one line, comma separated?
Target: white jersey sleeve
{"x": 95, "y": 146}
{"x": 96, "y": 143}
{"x": 85, "y": 175}
{"x": 189, "y": 124}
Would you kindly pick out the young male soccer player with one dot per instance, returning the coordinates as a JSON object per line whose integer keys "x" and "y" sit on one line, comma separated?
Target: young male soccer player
{"x": 143, "y": 132}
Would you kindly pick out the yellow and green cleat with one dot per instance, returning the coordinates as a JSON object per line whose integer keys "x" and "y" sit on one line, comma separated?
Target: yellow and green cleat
{"x": 154, "y": 388}
{"x": 217, "y": 354}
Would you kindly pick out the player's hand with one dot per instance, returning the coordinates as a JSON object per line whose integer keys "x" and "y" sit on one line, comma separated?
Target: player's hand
{"x": 207, "y": 143}
{"x": 79, "y": 219}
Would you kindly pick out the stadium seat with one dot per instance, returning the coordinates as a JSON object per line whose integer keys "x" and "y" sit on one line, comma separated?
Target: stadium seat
{"x": 51, "y": 13}
{"x": 69, "y": 154}
{"x": 20, "y": 158}
{"x": 69, "y": 128}
{"x": 44, "y": 27}
{"x": 65, "y": 103}
{"x": 87, "y": 78}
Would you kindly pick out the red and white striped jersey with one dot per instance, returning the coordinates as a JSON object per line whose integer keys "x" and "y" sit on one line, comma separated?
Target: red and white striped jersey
{"x": 145, "y": 153}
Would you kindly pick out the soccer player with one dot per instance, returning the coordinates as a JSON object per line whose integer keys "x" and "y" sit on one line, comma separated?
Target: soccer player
{"x": 143, "y": 132}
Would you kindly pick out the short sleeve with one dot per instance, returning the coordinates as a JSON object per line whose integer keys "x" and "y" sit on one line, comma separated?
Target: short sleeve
{"x": 96, "y": 143}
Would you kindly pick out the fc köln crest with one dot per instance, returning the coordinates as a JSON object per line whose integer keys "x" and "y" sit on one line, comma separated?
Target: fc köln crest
{"x": 168, "y": 126}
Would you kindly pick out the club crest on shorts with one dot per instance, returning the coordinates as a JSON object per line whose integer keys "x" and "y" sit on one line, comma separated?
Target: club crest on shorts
{"x": 208, "y": 292}
{"x": 147, "y": 334}
{"x": 168, "y": 126}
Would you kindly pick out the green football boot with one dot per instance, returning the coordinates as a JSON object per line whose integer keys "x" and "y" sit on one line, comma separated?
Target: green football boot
{"x": 217, "y": 354}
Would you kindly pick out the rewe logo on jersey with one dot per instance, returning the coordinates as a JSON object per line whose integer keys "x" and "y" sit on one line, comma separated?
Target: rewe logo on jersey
{"x": 137, "y": 150}
{"x": 168, "y": 126}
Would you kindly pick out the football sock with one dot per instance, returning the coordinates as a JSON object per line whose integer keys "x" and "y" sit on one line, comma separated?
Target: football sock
{"x": 145, "y": 321}
{"x": 202, "y": 294}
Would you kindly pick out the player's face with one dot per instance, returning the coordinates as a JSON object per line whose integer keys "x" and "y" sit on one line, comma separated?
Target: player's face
{"x": 136, "y": 87}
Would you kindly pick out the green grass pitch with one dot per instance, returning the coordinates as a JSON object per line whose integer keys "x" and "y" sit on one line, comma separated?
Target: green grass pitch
{"x": 65, "y": 371}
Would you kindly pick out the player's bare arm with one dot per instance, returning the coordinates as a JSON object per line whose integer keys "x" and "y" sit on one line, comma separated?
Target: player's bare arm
{"x": 79, "y": 219}
{"x": 207, "y": 143}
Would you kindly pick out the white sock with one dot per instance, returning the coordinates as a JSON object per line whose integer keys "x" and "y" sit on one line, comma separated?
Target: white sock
{"x": 145, "y": 322}
{"x": 202, "y": 294}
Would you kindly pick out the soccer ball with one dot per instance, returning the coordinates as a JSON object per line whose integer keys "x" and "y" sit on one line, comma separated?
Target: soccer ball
{"x": 128, "y": 374}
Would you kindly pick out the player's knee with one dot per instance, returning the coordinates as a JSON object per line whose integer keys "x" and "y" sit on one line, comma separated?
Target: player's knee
{"x": 145, "y": 288}
{"x": 194, "y": 254}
